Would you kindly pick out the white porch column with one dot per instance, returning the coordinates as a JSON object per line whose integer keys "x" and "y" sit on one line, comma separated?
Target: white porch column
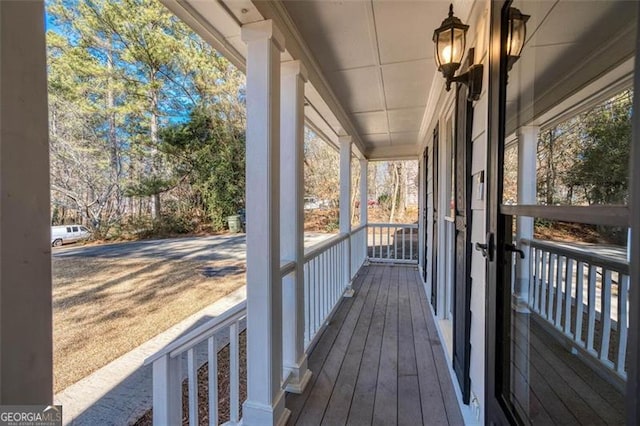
{"x": 26, "y": 365}
{"x": 345, "y": 205}
{"x": 527, "y": 149}
{"x": 292, "y": 80}
{"x": 364, "y": 188}
{"x": 265, "y": 398}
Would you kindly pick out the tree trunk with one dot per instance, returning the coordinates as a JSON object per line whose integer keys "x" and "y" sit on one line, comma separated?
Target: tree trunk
{"x": 394, "y": 196}
{"x": 550, "y": 171}
{"x": 155, "y": 157}
{"x": 355, "y": 185}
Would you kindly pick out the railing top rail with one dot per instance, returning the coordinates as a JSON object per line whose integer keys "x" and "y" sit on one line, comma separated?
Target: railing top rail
{"x": 609, "y": 262}
{"x": 358, "y": 228}
{"x": 201, "y": 333}
{"x": 324, "y": 246}
{"x": 394, "y": 225}
{"x": 287, "y": 267}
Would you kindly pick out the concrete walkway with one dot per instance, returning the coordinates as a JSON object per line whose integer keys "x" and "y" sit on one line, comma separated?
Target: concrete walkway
{"x": 121, "y": 392}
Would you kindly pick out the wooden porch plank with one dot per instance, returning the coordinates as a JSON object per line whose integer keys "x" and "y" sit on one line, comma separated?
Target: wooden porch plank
{"x": 361, "y": 412}
{"x": 337, "y": 411}
{"x": 318, "y": 355}
{"x": 316, "y": 404}
{"x": 385, "y": 409}
{"x": 409, "y": 408}
{"x": 377, "y": 361}
{"x": 433, "y": 407}
{"x": 563, "y": 386}
{"x": 540, "y": 386}
{"x": 557, "y": 410}
{"x": 406, "y": 349}
{"x": 588, "y": 386}
{"x": 536, "y": 411}
{"x": 449, "y": 398}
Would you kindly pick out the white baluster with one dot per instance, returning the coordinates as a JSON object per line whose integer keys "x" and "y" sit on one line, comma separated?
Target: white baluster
{"x": 543, "y": 285}
{"x": 623, "y": 315}
{"x": 591, "y": 321}
{"x": 579, "y": 301}
{"x": 568, "y": 274}
{"x": 212, "y": 355}
{"x": 558, "y": 318}
{"x": 234, "y": 374}
{"x": 605, "y": 315}
{"x": 192, "y": 380}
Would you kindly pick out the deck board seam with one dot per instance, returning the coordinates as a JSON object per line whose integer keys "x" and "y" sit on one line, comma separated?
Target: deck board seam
{"x": 430, "y": 333}
{"x": 347, "y": 349}
{"x": 383, "y": 270}
{"x": 384, "y": 323}
{"x": 407, "y": 276}
{"x": 356, "y": 298}
{"x": 364, "y": 346}
{"x": 346, "y": 306}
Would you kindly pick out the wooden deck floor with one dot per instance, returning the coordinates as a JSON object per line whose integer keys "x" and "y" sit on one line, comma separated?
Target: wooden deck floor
{"x": 552, "y": 386}
{"x": 380, "y": 360}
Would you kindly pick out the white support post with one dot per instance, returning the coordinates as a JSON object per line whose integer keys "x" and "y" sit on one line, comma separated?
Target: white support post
{"x": 364, "y": 201}
{"x": 293, "y": 77}
{"x": 26, "y": 365}
{"x": 527, "y": 148}
{"x": 265, "y": 398}
{"x": 167, "y": 391}
{"x": 345, "y": 206}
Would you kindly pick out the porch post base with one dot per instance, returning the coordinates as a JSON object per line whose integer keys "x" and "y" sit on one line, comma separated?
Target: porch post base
{"x": 260, "y": 414}
{"x": 300, "y": 376}
{"x": 521, "y": 304}
{"x": 349, "y": 292}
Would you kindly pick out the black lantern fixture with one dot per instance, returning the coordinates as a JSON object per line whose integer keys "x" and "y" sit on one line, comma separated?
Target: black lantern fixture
{"x": 450, "y": 42}
{"x": 516, "y": 35}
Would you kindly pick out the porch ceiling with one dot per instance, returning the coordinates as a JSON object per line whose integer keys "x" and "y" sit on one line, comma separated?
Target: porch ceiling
{"x": 378, "y": 59}
{"x": 370, "y": 63}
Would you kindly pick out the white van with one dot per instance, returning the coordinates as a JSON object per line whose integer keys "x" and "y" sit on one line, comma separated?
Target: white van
{"x": 68, "y": 234}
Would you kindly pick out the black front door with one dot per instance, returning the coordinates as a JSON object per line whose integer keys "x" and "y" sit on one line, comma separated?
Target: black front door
{"x": 462, "y": 286}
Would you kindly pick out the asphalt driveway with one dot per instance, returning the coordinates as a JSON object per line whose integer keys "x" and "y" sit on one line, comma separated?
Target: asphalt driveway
{"x": 217, "y": 247}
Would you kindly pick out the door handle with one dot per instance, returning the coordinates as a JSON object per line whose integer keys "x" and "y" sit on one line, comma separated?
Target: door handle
{"x": 483, "y": 248}
{"x": 487, "y": 248}
{"x": 512, "y": 248}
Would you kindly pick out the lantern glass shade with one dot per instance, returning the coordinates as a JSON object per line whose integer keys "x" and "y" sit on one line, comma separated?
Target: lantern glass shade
{"x": 516, "y": 35}
{"x": 450, "y": 45}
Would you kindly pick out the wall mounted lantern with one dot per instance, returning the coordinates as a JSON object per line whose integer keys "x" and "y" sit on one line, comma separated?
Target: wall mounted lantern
{"x": 450, "y": 40}
{"x": 516, "y": 35}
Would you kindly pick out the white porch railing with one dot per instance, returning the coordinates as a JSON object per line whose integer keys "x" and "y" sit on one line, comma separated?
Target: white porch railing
{"x": 168, "y": 376}
{"x": 358, "y": 248}
{"x": 393, "y": 242}
{"x": 323, "y": 283}
{"x": 585, "y": 296}
{"x": 324, "y": 286}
